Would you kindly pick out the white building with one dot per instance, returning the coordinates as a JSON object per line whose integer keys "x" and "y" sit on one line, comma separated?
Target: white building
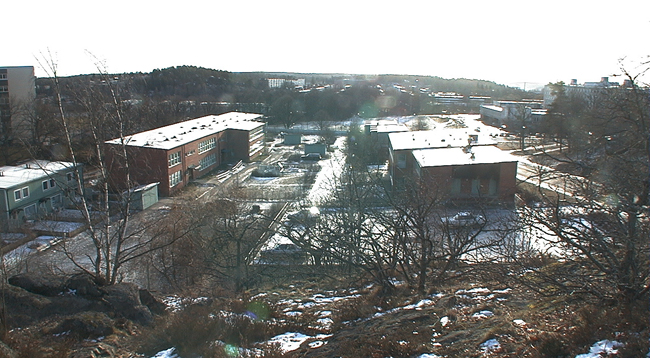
{"x": 281, "y": 82}
{"x": 17, "y": 93}
{"x": 588, "y": 90}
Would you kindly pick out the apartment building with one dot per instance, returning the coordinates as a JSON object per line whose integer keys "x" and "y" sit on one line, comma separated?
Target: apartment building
{"x": 176, "y": 154}
{"x": 35, "y": 189}
{"x": 17, "y": 93}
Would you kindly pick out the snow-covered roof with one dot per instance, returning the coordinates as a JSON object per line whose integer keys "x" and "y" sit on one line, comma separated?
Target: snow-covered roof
{"x": 439, "y": 138}
{"x": 181, "y": 133}
{"x": 492, "y": 107}
{"x": 11, "y": 176}
{"x": 458, "y": 156}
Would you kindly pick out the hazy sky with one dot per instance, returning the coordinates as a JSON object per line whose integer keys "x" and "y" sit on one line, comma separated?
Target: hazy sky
{"x": 508, "y": 42}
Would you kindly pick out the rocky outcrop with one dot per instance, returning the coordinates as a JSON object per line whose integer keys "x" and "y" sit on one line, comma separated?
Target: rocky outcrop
{"x": 32, "y": 298}
{"x": 84, "y": 286}
{"x": 6, "y": 352}
{"x": 86, "y": 325}
{"x": 38, "y": 284}
{"x": 124, "y": 299}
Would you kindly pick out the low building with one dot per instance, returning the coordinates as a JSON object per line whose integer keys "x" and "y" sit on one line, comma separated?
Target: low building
{"x": 379, "y": 129}
{"x": 176, "y": 154}
{"x": 401, "y": 146}
{"x": 35, "y": 189}
{"x": 483, "y": 173}
{"x": 318, "y": 148}
{"x": 292, "y": 139}
{"x": 512, "y": 113}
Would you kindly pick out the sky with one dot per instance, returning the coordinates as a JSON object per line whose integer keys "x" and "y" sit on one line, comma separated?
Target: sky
{"x": 509, "y": 42}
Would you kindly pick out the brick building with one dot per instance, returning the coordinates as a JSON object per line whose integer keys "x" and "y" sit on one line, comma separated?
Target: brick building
{"x": 402, "y": 144}
{"x": 176, "y": 154}
{"x": 483, "y": 173}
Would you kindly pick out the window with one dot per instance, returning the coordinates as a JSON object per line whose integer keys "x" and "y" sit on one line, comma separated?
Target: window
{"x": 174, "y": 159}
{"x": 69, "y": 176}
{"x": 49, "y": 184}
{"x": 207, "y": 145}
{"x": 30, "y": 211}
{"x": 21, "y": 193}
{"x": 4, "y": 89}
{"x": 175, "y": 179}
{"x": 208, "y": 161}
{"x": 3, "y": 76}
{"x": 401, "y": 160}
{"x": 56, "y": 201}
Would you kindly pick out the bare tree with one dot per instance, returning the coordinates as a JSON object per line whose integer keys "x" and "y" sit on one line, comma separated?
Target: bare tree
{"x": 228, "y": 240}
{"x": 116, "y": 240}
{"x": 597, "y": 237}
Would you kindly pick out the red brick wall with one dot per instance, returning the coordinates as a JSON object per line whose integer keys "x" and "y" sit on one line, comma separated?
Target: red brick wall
{"x": 508, "y": 181}
{"x": 441, "y": 178}
{"x": 238, "y": 143}
{"x": 149, "y": 165}
{"x": 146, "y": 165}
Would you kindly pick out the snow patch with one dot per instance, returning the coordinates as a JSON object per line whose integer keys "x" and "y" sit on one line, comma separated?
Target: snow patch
{"x": 603, "y": 348}
{"x": 491, "y": 345}
{"x": 483, "y": 314}
{"x": 168, "y": 353}
{"x": 444, "y": 321}
{"x": 289, "y": 341}
{"x": 519, "y": 322}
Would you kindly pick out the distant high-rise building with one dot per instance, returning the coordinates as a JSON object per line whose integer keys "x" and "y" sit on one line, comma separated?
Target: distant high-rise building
{"x": 588, "y": 90}
{"x": 17, "y": 93}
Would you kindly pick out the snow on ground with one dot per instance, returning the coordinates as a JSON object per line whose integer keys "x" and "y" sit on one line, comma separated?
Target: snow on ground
{"x": 167, "y": 353}
{"x": 603, "y": 348}
{"x": 176, "y": 303}
{"x": 330, "y": 169}
{"x": 289, "y": 341}
{"x": 483, "y": 314}
{"x": 491, "y": 345}
{"x": 318, "y": 304}
{"x": 520, "y": 323}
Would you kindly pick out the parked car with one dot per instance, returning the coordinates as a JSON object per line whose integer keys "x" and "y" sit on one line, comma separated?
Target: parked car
{"x": 464, "y": 219}
{"x": 284, "y": 253}
{"x": 311, "y": 156}
{"x": 43, "y": 243}
{"x": 304, "y": 216}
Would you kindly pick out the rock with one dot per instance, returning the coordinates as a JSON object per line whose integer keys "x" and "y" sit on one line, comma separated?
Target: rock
{"x": 155, "y": 306}
{"x": 38, "y": 284}
{"x": 86, "y": 325}
{"x": 447, "y": 302}
{"x": 6, "y": 352}
{"x": 23, "y": 307}
{"x": 99, "y": 350}
{"x": 124, "y": 300}
{"x": 84, "y": 285}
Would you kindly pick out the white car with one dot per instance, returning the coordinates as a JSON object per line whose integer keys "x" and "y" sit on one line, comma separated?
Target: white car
{"x": 464, "y": 219}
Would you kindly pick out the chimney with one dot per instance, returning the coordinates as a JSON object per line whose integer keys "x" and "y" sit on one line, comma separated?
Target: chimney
{"x": 574, "y": 82}
{"x": 604, "y": 80}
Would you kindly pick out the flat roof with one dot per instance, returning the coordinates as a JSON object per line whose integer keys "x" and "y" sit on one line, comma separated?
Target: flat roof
{"x": 492, "y": 107}
{"x": 36, "y": 169}
{"x": 181, "y": 133}
{"x": 441, "y": 157}
{"x": 438, "y": 138}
